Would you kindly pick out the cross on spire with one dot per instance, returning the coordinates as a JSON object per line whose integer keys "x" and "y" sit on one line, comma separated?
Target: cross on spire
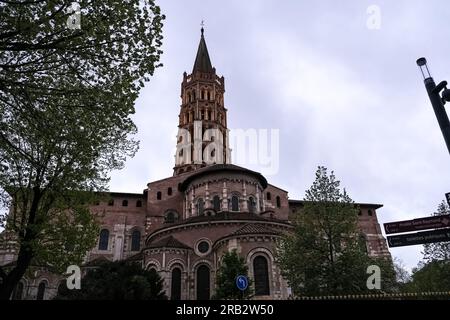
{"x": 202, "y": 24}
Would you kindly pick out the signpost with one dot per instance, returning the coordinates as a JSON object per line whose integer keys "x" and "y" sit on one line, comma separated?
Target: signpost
{"x": 419, "y": 238}
{"x": 241, "y": 282}
{"x": 440, "y": 224}
{"x": 447, "y": 196}
{"x": 433, "y": 222}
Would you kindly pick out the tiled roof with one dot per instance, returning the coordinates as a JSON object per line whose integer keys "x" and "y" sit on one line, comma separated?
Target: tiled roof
{"x": 221, "y": 168}
{"x": 255, "y": 228}
{"x": 135, "y": 257}
{"x": 97, "y": 261}
{"x": 168, "y": 242}
{"x": 230, "y": 216}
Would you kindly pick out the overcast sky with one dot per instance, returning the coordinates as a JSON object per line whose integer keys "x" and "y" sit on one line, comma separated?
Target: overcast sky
{"x": 341, "y": 94}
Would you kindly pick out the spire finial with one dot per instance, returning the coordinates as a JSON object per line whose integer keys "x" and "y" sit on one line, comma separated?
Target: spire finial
{"x": 202, "y": 24}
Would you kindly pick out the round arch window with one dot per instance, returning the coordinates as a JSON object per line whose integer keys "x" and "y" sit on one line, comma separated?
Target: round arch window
{"x": 203, "y": 247}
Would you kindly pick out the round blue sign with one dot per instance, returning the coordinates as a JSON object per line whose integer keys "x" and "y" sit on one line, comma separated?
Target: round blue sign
{"x": 241, "y": 282}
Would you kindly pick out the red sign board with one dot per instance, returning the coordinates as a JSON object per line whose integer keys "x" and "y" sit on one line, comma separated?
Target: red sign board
{"x": 433, "y": 222}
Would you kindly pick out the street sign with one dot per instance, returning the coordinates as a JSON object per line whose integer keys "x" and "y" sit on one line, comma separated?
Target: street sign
{"x": 241, "y": 282}
{"x": 432, "y": 222}
{"x": 419, "y": 238}
{"x": 447, "y": 196}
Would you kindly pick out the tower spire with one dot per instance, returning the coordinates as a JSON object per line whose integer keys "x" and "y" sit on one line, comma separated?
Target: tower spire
{"x": 202, "y": 61}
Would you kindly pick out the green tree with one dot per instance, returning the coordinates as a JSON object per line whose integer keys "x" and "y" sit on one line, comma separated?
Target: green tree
{"x": 230, "y": 267}
{"x": 326, "y": 253}
{"x": 117, "y": 281}
{"x": 438, "y": 250}
{"x": 431, "y": 276}
{"x": 66, "y": 96}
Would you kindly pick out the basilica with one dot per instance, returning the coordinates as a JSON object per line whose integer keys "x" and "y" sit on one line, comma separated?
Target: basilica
{"x": 182, "y": 225}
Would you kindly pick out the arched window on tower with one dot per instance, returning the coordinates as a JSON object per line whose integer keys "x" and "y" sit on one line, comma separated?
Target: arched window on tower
{"x": 136, "y": 240}
{"x": 209, "y": 95}
{"x": 200, "y": 207}
{"x": 278, "y": 202}
{"x": 18, "y": 291}
{"x": 41, "y": 290}
{"x": 363, "y": 242}
{"x": 203, "y": 94}
{"x": 193, "y": 95}
{"x": 251, "y": 203}
{"x": 234, "y": 203}
{"x": 216, "y": 203}
{"x": 209, "y": 115}
{"x": 261, "y": 274}
{"x": 104, "y": 239}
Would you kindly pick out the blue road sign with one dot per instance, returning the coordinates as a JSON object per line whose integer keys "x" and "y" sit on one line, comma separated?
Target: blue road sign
{"x": 241, "y": 282}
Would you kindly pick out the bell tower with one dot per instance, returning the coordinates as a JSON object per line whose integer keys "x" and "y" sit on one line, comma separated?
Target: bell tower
{"x": 202, "y": 125}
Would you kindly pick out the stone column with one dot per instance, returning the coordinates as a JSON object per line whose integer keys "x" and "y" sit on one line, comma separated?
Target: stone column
{"x": 224, "y": 197}
{"x": 207, "y": 202}
{"x": 244, "y": 196}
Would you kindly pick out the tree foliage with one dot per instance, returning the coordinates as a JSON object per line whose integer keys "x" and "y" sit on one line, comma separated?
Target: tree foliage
{"x": 231, "y": 266}
{"x": 66, "y": 96}
{"x": 326, "y": 252}
{"x": 438, "y": 250}
{"x": 433, "y": 276}
{"x": 117, "y": 281}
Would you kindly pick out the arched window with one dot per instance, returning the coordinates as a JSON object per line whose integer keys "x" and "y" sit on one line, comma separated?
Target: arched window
{"x": 139, "y": 203}
{"x": 136, "y": 240}
{"x": 171, "y": 217}
{"x": 169, "y": 191}
{"x": 203, "y": 95}
{"x": 216, "y": 203}
{"x": 203, "y": 283}
{"x": 111, "y": 202}
{"x": 62, "y": 287}
{"x": 251, "y": 205}
{"x": 363, "y": 243}
{"x": 175, "y": 292}
{"x": 193, "y": 95}
{"x": 125, "y": 203}
{"x": 158, "y": 195}
{"x": 261, "y": 273}
{"x": 278, "y": 202}
{"x": 234, "y": 203}
{"x": 370, "y": 212}
{"x": 189, "y": 97}
{"x": 208, "y": 95}
{"x": 41, "y": 290}
{"x": 268, "y": 196}
{"x": 104, "y": 239}
{"x": 209, "y": 115}
{"x": 18, "y": 291}
{"x": 200, "y": 206}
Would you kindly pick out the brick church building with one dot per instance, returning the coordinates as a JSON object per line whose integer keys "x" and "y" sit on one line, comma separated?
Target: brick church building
{"x": 182, "y": 225}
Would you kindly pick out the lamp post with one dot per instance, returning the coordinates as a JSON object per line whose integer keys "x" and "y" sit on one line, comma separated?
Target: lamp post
{"x": 437, "y": 101}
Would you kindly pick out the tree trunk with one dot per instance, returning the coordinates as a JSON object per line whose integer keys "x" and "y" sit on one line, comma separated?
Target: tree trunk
{"x": 25, "y": 251}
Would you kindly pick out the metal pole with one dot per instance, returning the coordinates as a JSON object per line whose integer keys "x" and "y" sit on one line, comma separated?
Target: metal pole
{"x": 439, "y": 110}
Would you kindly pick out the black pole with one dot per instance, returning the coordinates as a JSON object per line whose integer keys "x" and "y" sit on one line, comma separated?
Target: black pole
{"x": 439, "y": 109}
